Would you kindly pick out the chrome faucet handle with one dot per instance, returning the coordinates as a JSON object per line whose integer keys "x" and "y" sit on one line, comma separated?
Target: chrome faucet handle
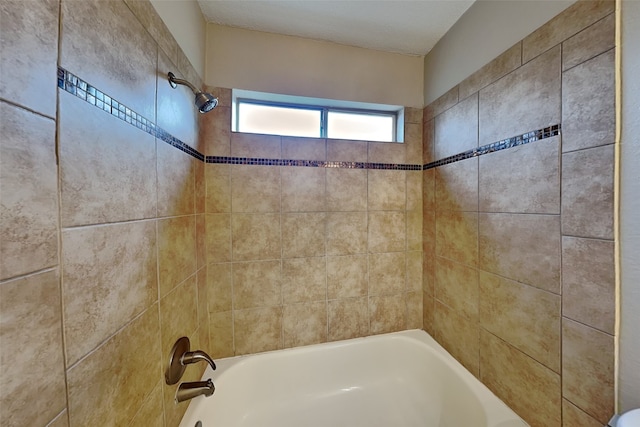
{"x": 196, "y": 356}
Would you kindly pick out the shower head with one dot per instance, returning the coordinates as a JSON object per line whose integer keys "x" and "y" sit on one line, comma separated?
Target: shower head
{"x": 204, "y": 101}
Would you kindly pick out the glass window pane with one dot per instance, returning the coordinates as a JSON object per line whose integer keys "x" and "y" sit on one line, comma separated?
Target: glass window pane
{"x": 368, "y": 127}
{"x": 269, "y": 119}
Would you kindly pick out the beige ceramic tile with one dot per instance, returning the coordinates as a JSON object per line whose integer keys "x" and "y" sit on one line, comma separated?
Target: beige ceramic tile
{"x": 429, "y": 190}
{"x": 303, "y": 148}
{"x": 525, "y": 317}
{"x": 304, "y": 280}
{"x": 28, "y": 210}
{"x": 522, "y": 247}
{"x": 347, "y": 276}
{"x": 122, "y": 62}
{"x": 529, "y": 388}
{"x": 457, "y": 236}
{"x": 347, "y": 318}
{"x": 588, "y": 282}
{"x": 201, "y": 240}
{"x": 387, "y": 313}
{"x": 572, "y": 20}
{"x": 29, "y": 51}
{"x": 535, "y": 187}
{"x": 346, "y": 189}
{"x": 62, "y": 420}
{"x": 456, "y": 130}
{"x": 223, "y": 94}
{"x": 414, "y": 271}
{"x": 255, "y": 145}
{"x": 458, "y": 335}
{"x": 218, "y": 188}
{"x": 257, "y": 284}
{"x": 428, "y": 309}
{"x": 215, "y": 132}
{"x": 456, "y": 285}
{"x": 109, "y": 277}
{"x": 505, "y": 63}
{"x": 387, "y": 190}
{"x": 255, "y": 188}
{"x": 387, "y": 152}
{"x": 179, "y": 314}
{"x": 429, "y": 271}
{"x": 414, "y": 190}
{"x": 303, "y": 189}
{"x": 176, "y": 181}
{"x": 186, "y": 68}
{"x": 413, "y": 142}
{"x": 428, "y": 141}
{"x": 412, "y": 115}
{"x": 387, "y": 231}
{"x": 218, "y": 237}
{"x": 588, "y": 103}
{"x": 105, "y": 176}
{"x": 203, "y": 308}
{"x": 200, "y": 186}
{"x": 304, "y": 324}
{"x": 524, "y": 100}
{"x": 256, "y": 236}
{"x": 572, "y": 416}
{"x": 176, "y": 111}
{"x": 221, "y": 334}
{"x": 588, "y": 372}
{"x": 303, "y": 235}
{"x": 339, "y": 150}
{"x": 176, "y": 251}
{"x": 590, "y": 42}
{"x": 147, "y": 15}
{"x": 387, "y": 273}
{"x": 414, "y": 310}
{"x": 219, "y": 287}
{"x": 457, "y": 186}
{"x": 414, "y": 230}
{"x": 30, "y": 325}
{"x": 346, "y": 233}
{"x": 257, "y": 330}
{"x": 441, "y": 104}
{"x": 587, "y": 193}
{"x": 114, "y": 376}
{"x": 151, "y": 412}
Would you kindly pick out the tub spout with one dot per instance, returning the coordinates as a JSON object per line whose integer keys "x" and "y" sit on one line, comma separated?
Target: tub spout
{"x": 196, "y": 356}
{"x": 190, "y": 390}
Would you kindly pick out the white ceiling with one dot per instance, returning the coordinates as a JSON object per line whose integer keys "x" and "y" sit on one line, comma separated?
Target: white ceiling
{"x": 402, "y": 26}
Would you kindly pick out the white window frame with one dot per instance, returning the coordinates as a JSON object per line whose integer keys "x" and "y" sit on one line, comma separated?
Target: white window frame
{"x": 324, "y": 106}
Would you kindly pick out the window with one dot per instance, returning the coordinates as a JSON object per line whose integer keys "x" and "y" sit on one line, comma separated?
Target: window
{"x": 258, "y": 112}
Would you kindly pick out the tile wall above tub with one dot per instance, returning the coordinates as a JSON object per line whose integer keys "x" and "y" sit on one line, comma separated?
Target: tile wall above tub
{"x": 518, "y": 268}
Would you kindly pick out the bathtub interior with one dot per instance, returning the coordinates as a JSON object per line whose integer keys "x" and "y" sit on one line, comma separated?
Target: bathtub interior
{"x": 393, "y": 379}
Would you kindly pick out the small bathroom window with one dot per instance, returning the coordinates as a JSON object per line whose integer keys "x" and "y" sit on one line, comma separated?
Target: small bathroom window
{"x": 273, "y": 114}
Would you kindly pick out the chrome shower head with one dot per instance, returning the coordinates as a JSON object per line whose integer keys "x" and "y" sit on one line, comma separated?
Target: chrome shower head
{"x": 203, "y": 100}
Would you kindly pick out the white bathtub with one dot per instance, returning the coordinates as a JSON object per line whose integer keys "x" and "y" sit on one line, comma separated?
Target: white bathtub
{"x": 404, "y": 379}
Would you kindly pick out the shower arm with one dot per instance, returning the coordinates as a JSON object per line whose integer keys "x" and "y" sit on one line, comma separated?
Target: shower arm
{"x": 174, "y": 82}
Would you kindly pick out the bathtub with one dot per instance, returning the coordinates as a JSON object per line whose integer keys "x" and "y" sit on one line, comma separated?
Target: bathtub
{"x": 402, "y": 379}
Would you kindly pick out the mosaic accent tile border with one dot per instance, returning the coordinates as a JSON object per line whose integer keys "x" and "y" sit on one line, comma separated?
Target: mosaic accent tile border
{"x": 309, "y": 163}
{"x": 88, "y": 93}
{"x": 83, "y": 90}
{"x": 525, "y": 138}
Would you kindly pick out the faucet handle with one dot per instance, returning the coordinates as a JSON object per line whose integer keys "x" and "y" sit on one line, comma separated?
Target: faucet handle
{"x": 196, "y": 356}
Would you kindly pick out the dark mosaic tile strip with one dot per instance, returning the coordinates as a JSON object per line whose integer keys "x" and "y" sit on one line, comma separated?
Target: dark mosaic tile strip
{"x": 308, "y": 163}
{"x": 83, "y": 90}
{"x": 525, "y": 138}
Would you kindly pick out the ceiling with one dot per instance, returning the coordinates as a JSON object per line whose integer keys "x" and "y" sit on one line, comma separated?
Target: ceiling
{"x": 401, "y": 26}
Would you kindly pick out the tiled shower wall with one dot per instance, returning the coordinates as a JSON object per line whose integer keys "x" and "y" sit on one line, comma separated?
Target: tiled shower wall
{"x": 518, "y": 243}
{"x": 306, "y": 254}
{"x": 102, "y": 268}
